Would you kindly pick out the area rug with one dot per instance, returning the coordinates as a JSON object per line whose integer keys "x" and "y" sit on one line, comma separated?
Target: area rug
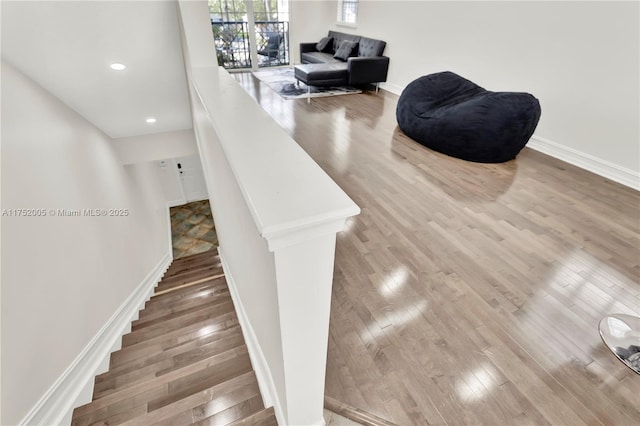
{"x": 192, "y": 229}
{"x": 283, "y": 82}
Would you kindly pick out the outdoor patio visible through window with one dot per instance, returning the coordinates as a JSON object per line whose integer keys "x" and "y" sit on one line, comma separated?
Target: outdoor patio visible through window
{"x": 232, "y": 33}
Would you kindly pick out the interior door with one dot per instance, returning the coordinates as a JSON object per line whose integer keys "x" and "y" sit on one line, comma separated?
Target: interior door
{"x": 192, "y": 177}
{"x": 171, "y": 182}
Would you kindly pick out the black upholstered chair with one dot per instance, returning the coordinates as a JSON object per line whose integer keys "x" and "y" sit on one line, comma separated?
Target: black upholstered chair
{"x": 455, "y": 116}
{"x": 272, "y": 49}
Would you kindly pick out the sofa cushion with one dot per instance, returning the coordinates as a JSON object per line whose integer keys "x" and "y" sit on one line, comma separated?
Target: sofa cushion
{"x": 339, "y": 37}
{"x": 318, "y": 58}
{"x": 324, "y": 44}
{"x": 347, "y": 48}
{"x": 370, "y": 47}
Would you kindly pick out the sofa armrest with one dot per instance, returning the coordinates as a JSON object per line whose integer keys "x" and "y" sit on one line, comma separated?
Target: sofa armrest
{"x": 367, "y": 69}
{"x": 308, "y": 47}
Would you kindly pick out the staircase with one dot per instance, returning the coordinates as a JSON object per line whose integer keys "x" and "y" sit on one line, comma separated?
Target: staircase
{"x": 185, "y": 360}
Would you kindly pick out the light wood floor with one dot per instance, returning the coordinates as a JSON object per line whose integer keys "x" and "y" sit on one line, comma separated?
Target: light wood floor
{"x": 469, "y": 293}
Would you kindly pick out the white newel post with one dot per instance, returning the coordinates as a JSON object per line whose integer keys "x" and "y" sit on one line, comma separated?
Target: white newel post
{"x": 304, "y": 274}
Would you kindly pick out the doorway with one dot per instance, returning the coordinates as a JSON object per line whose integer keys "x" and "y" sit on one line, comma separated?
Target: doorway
{"x": 182, "y": 180}
{"x": 192, "y": 227}
{"x": 191, "y": 177}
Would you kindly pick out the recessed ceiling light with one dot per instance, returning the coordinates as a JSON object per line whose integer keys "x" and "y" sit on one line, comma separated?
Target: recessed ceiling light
{"x": 150, "y": 120}
{"x": 117, "y": 67}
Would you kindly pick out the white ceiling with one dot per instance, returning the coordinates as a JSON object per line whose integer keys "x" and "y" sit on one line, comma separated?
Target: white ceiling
{"x": 67, "y": 46}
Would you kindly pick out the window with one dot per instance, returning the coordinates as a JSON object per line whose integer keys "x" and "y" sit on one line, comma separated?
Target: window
{"x": 231, "y": 32}
{"x": 348, "y": 11}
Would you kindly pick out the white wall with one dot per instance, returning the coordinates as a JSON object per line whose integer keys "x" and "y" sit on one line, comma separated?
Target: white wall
{"x": 63, "y": 277}
{"x": 157, "y": 146}
{"x": 163, "y": 149}
{"x": 309, "y": 22}
{"x": 580, "y": 59}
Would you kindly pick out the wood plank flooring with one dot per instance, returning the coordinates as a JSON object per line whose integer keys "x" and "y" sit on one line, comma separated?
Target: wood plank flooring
{"x": 469, "y": 293}
{"x": 184, "y": 361}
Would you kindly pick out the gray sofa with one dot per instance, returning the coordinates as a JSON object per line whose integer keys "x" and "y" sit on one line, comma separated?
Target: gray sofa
{"x": 365, "y": 66}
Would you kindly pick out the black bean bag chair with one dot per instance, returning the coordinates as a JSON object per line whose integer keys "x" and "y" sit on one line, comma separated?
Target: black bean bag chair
{"x": 452, "y": 115}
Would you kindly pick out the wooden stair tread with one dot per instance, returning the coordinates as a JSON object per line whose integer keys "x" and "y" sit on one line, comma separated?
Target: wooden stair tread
{"x": 185, "y": 360}
{"x": 244, "y": 408}
{"x": 266, "y": 417}
{"x": 165, "y": 390}
{"x": 216, "y": 309}
{"x": 134, "y": 412}
{"x": 217, "y": 397}
{"x": 195, "y": 257}
{"x": 191, "y": 275}
{"x": 181, "y": 295}
{"x": 200, "y": 297}
{"x": 112, "y": 383}
{"x": 167, "y": 313}
{"x": 216, "y": 410}
{"x": 159, "y": 387}
{"x": 185, "y": 267}
{"x": 175, "y": 272}
{"x": 189, "y": 284}
{"x": 201, "y": 380}
{"x": 174, "y": 338}
{"x": 159, "y": 356}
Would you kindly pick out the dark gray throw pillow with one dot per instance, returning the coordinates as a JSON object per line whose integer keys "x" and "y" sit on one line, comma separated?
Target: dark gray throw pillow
{"x": 322, "y": 44}
{"x": 346, "y": 50}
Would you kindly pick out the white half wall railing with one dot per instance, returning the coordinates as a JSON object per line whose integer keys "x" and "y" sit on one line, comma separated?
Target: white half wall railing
{"x": 277, "y": 214}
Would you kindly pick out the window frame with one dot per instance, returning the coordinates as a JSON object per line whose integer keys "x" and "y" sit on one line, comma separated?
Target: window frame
{"x": 343, "y": 8}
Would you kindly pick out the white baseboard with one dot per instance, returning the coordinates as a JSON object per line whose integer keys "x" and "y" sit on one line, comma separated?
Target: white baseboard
{"x": 258, "y": 360}
{"x": 169, "y": 233}
{"x": 393, "y": 88}
{"x": 66, "y": 393}
{"x": 585, "y": 161}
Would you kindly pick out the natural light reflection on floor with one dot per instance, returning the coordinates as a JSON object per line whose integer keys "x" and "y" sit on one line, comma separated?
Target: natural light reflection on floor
{"x": 476, "y": 384}
{"x": 584, "y": 281}
{"x": 205, "y": 331}
{"x": 394, "y": 281}
{"x": 397, "y": 318}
